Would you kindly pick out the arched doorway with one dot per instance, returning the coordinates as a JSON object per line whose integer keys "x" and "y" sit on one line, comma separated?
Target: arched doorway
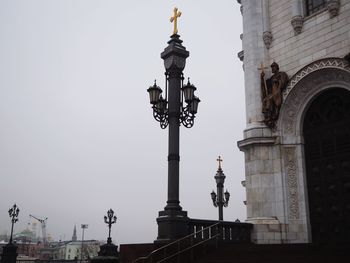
{"x": 326, "y": 133}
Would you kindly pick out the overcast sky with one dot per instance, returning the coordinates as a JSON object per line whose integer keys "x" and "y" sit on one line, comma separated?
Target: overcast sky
{"x": 77, "y": 135}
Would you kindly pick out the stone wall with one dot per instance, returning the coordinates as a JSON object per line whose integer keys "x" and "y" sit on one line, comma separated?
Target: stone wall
{"x": 321, "y": 36}
{"x": 274, "y": 165}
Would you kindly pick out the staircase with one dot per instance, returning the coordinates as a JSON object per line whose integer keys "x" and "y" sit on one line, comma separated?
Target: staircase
{"x": 286, "y": 253}
{"x": 228, "y": 242}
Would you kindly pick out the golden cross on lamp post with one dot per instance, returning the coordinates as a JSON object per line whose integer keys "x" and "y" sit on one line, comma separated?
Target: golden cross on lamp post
{"x": 174, "y": 19}
{"x": 219, "y": 160}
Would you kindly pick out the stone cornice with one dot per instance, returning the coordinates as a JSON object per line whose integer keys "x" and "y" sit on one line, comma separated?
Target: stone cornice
{"x": 252, "y": 141}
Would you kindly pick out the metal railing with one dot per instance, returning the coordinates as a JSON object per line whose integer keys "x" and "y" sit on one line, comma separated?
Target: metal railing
{"x": 204, "y": 235}
{"x": 183, "y": 249}
{"x": 230, "y": 232}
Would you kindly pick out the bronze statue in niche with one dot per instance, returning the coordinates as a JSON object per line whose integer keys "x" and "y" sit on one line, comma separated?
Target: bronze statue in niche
{"x": 271, "y": 94}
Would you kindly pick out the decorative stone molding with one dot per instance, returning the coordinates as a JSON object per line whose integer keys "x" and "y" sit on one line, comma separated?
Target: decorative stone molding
{"x": 297, "y": 23}
{"x": 307, "y": 82}
{"x": 267, "y": 37}
{"x": 333, "y": 7}
{"x": 337, "y": 63}
{"x": 290, "y": 163}
{"x": 246, "y": 143}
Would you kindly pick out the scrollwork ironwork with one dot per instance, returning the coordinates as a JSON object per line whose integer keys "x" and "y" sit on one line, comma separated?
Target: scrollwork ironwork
{"x": 160, "y": 106}
{"x": 161, "y": 116}
{"x": 187, "y": 118}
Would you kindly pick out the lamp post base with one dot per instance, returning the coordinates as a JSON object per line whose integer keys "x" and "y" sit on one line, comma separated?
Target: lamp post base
{"x": 9, "y": 254}
{"x": 172, "y": 225}
{"x": 108, "y": 253}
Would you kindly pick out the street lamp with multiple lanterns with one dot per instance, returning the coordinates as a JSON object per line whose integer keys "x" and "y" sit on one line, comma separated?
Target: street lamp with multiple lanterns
{"x": 188, "y": 103}
{"x": 178, "y": 106}
{"x": 13, "y": 213}
{"x": 110, "y": 219}
{"x": 220, "y": 199}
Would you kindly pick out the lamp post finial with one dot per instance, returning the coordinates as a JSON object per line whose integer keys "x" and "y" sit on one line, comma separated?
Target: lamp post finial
{"x": 174, "y": 18}
{"x": 220, "y": 161}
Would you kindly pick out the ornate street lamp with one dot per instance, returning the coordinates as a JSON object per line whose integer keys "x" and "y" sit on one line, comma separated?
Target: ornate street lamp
{"x": 9, "y": 252}
{"x": 187, "y": 110}
{"x": 110, "y": 219}
{"x": 178, "y": 106}
{"x": 13, "y": 213}
{"x": 108, "y": 252}
{"x": 220, "y": 199}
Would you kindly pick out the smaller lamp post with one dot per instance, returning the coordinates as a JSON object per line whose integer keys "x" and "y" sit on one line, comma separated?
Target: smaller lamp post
{"x": 220, "y": 199}
{"x": 108, "y": 252}
{"x": 110, "y": 219}
{"x": 9, "y": 252}
{"x": 13, "y": 213}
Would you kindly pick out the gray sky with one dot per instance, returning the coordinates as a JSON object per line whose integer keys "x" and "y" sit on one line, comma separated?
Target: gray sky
{"x": 77, "y": 135}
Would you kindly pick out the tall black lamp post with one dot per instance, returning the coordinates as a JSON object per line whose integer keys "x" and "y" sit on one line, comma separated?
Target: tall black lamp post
{"x": 220, "y": 199}
{"x": 178, "y": 106}
{"x": 9, "y": 252}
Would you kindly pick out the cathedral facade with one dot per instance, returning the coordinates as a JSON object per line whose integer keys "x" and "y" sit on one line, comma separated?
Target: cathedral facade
{"x": 296, "y": 56}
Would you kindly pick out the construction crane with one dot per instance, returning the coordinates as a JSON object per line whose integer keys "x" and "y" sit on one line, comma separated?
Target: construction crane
{"x": 43, "y": 228}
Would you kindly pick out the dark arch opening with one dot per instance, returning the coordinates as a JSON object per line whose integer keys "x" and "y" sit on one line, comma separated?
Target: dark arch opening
{"x": 326, "y": 132}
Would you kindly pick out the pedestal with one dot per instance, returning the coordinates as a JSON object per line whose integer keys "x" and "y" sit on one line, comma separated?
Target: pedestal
{"x": 9, "y": 254}
{"x": 108, "y": 253}
{"x": 172, "y": 225}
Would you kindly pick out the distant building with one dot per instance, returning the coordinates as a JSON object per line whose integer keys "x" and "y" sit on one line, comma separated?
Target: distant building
{"x": 72, "y": 249}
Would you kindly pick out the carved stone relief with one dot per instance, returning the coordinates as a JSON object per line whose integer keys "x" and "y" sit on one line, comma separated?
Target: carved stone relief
{"x": 292, "y": 182}
{"x": 333, "y": 7}
{"x": 305, "y": 83}
{"x": 297, "y": 23}
{"x": 267, "y": 37}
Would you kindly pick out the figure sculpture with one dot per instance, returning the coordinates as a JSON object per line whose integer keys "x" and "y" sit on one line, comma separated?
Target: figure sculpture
{"x": 271, "y": 94}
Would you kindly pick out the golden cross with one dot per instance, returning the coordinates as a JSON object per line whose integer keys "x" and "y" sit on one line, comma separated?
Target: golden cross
{"x": 263, "y": 75}
{"x": 174, "y": 19}
{"x": 219, "y": 160}
{"x": 262, "y": 67}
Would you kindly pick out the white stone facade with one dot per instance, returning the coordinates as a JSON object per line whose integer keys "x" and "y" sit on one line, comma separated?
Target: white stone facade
{"x": 70, "y": 250}
{"x": 311, "y": 50}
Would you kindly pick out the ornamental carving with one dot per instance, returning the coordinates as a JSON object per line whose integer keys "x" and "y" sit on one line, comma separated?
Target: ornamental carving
{"x": 267, "y": 37}
{"x": 333, "y": 7}
{"x": 320, "y": 64}
{"x": 297, "y": 23}
{"x": 292, "y": 182}
{"x": 307, "y": 82}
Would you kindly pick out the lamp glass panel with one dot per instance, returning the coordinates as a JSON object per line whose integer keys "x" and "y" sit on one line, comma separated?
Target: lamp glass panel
{"x": 188, "y": 92}
{"x": 194, "y": 105}
{"x": 154, "y": 94}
